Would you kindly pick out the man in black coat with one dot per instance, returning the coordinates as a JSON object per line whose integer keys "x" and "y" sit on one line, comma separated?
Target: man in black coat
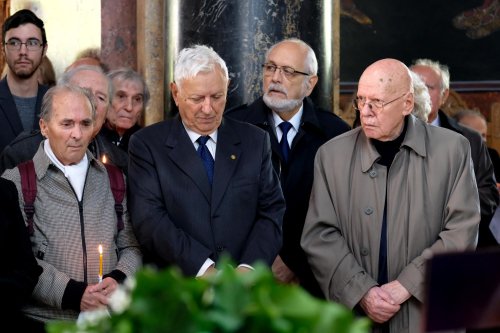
{"x": 289, "y": 76}
{"x": 437, "y": 79}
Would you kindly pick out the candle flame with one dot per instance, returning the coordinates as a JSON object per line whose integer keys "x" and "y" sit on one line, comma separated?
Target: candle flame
{"x": 100, "y": 249}
{"x": 104, "y": 159}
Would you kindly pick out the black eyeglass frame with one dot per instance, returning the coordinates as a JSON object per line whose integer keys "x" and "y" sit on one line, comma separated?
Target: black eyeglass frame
{"x": 285, "y": 70}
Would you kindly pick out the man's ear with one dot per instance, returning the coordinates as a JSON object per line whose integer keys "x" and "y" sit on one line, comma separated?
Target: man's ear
{"x": 409, "y": 104}
{"x": 311, "y": 83}
{"x": 444, "y": 98}
{"x": 43, "y": 127}
{"x": 175, "y": 92}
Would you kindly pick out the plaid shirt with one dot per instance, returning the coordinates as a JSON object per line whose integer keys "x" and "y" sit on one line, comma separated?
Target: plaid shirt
{"x": 66, "y": 232}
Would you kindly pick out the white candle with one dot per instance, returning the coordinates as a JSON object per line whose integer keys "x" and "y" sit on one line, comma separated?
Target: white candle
{"x": 100, "y": 262}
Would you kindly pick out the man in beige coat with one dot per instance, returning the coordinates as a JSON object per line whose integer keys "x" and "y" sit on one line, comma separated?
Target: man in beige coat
{"x": 386, "y": 196}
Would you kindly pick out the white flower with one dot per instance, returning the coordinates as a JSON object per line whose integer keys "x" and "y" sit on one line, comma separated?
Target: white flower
{"x": 91, "y": 318}
{"x": 120, "y": 300}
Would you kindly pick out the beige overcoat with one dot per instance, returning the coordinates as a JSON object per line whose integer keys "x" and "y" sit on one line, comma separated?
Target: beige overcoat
{"x": 432, "y": 206}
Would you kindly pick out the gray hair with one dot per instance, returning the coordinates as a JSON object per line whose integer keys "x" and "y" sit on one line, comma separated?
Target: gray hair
{"x": 128, "y": 74}
{"x": 197, "y": 59}
{"x": 48, "y": 98}
{"x": 421, "y": 97}
{"x": 311, "y": 62}
{"x": 462, "y": 113}
{"x": 67, "y": 76}
{"x": 439, "y": 68}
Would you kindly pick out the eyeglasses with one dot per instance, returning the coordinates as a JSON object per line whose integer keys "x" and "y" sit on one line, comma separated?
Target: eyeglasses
{"x": 31, "y": 44}
{"x": 375, "y": 105}
{"x": 287, "y": 71}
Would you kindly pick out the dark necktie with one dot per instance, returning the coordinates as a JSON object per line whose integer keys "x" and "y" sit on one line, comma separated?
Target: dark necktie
{"x": 206, "y": 157}
{"x": 285, "y": 147}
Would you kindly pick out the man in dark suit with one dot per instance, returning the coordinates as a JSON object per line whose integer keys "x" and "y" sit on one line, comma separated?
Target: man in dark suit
{"x": 289, "y": 76}
{"x": 201, "y": 185}
{"x": 24, "y": 45}
{"x": 437, "y": 79}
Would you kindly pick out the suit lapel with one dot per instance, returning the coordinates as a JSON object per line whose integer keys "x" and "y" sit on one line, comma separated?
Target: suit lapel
{"x": 9, "y": 108}
{"x": 227, "y": 157}
{"x": 183, "y": 154}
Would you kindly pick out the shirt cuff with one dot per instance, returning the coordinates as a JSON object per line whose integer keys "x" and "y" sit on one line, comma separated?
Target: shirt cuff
{"x": 209, "y": 262}
{"x": 116, "y": 274}
{"x": 246, "y": 266}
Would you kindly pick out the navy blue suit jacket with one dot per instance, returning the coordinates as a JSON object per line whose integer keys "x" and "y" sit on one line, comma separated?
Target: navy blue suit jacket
{"x": 179, "y": 219}
{"x": 10, "y": 122}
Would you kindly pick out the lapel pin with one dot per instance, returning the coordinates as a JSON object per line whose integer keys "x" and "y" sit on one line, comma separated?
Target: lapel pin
{"x": 233, "y": 157}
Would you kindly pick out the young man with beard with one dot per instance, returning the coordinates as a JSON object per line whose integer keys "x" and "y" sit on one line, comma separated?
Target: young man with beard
{"x": 289, "y": 77}
{"x": 24, "y": 45}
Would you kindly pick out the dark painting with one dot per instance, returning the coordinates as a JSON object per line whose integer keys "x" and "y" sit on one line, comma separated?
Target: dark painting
{"x": 463, "y": 34}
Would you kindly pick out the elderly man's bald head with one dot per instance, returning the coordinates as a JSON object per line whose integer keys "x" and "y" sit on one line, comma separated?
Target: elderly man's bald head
{"x": 390, "y": 75}
{"x": 384, "y": 98}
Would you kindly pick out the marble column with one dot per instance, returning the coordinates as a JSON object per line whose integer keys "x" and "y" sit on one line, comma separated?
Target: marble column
{"x": 242, "y": 31}
{"x": 118, "y": 33}
{"x": 150, "y": 56}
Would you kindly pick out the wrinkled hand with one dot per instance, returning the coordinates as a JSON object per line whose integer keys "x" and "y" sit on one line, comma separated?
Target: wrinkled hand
{"x": 397, "y": 291}
{"x": 282, "y": 273}
{"x": 378, "y": 305}
{"x": 96, "y": 295}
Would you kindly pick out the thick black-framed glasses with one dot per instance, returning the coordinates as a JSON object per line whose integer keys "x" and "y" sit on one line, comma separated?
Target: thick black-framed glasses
{"x": 287, "y": 71}
{"x": 375, "y": 105}
{"x": 32, "y": 44}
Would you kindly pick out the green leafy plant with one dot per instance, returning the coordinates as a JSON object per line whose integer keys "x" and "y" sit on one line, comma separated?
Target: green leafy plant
{"x": 229, "y": 302}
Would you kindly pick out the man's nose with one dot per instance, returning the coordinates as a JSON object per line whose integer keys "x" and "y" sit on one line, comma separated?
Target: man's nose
{"x": 207, "y": 104}
{"x": 277, "y": 75}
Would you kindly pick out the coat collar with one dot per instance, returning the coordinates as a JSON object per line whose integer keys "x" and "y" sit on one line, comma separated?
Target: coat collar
{"x": 448, "y": 122}
{"x": 7, "y": 103}
{"x": 42, "y": 162}
{"x": 414, "y": 140}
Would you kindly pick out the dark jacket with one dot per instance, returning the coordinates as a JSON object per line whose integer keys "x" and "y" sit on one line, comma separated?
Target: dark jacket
{"x": 19, "y": 270}
{"x": 495, "y": 160}
{"x": 24, "y": 147}
{"x": 10, "y": 122}
{"x": 179, "y": 219}
{"x": 485, "y": 177}
{"x": 317, "y": 127}
{"x": 112, "y": 136}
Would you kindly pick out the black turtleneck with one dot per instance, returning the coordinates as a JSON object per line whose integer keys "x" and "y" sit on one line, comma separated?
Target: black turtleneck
{"x": 389, "y": 149}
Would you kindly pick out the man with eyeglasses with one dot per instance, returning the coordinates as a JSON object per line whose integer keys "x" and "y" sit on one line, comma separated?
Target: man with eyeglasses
{"x": 289, "y": 77}
{"x": 401, "y": 192}
{"x": 24, "y": 45}
{"x": 437, "y": 79}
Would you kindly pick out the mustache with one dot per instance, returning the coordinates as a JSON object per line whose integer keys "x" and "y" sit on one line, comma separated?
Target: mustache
{"x": 277, "y": 87}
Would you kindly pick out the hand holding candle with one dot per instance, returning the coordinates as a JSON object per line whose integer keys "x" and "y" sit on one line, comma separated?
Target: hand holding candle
{"x": 100, "y": 263}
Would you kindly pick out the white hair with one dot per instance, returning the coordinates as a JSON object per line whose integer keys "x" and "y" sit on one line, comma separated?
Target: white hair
{"x": 439, "y": 68}
{"x": 197, "y": 59}
{"x": 421, "y": 97}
